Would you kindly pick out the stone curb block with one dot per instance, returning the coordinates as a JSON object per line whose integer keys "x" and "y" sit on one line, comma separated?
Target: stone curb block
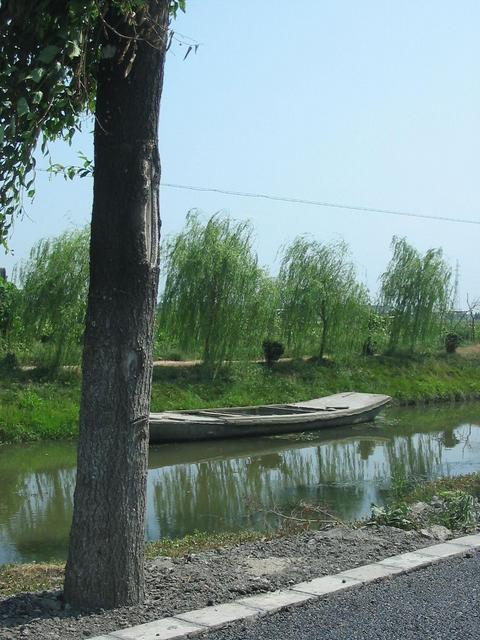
{"x": 165, "y": 629}
{"x": 275, "y": 600}
{"x": 327, "y": 584}
{"x": 217, "y": 616}
{"x": 191, "y": 623}
{"x": 370, "y": 572}
{"x": 446, "y": 550}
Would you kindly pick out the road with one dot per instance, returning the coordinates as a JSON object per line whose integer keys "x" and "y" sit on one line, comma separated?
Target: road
{"x": 440, "y": 602}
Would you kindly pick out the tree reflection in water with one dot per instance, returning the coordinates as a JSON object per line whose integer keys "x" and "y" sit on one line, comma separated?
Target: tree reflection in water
{"x": 217, "y": 486}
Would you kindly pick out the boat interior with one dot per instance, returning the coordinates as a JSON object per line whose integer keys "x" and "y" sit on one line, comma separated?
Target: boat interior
{"x": 265, "y": 410}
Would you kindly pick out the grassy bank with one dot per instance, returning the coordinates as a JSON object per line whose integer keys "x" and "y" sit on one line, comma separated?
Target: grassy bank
{"x": 35, "y": 408}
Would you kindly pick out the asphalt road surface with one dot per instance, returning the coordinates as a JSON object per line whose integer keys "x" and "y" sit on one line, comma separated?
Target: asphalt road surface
{"x": 440, "y": 602}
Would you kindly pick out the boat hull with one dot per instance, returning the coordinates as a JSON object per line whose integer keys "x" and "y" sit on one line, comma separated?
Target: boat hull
{"x": 188, "y": 426}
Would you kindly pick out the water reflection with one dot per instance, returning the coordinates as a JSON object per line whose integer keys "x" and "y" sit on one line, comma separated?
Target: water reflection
{"x": 223, "y": 485}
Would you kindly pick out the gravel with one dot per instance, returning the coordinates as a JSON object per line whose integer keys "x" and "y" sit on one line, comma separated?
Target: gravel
{"x": 175, "y": 585}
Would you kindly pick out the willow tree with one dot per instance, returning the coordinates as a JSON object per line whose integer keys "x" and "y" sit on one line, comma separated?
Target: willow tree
{"x": 416, "y": 292}
{"x": 322, "y": 305}
{"x": 53, "y": 293}
{"x": 211, "y": 299}
{"x": 9, "y": 296}
{"x": 59, "y": 60}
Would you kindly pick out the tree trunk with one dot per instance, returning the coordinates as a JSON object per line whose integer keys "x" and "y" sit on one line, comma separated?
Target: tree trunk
{"x": 323, "y": 343}
{"x": 106, "y": 553}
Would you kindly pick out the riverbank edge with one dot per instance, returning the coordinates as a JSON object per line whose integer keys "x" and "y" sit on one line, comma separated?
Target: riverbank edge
{"x": 28, "y": 577}
{"x": 33, "y": 408}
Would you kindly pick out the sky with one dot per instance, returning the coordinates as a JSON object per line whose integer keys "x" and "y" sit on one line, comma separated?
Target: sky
{"x": 373, "y": 103}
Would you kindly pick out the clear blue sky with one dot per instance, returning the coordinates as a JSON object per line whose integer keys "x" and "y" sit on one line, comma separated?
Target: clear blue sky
{"x": 375, "y": 103}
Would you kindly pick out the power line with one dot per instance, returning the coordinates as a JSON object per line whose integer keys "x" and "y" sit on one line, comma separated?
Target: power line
{"x": 318, "y": 203}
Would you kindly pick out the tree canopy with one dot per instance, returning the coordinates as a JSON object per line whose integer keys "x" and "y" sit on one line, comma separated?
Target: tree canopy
{"x": 212, "y": 287}
{"x": 8, "y": 304}
{"x": 321, "y": 301}
{"x": 416, "y": 292}
{"x": 54, "y": 285}
{"x": 49, "y": 55}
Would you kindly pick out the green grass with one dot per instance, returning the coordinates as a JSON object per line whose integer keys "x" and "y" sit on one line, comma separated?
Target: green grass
{"x": 409, "y": 380}
{"x": 424, "y": 491}
{"x": 201, "y": 541}
{"x": 38, "y": 411}
{"x": 35, "y": 408}
{"x": 19, "y": 578}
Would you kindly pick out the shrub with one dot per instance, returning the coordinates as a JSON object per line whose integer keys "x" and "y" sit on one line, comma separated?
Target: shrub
{"x": 452, "y": 341}
{"x": 272, "y": 351}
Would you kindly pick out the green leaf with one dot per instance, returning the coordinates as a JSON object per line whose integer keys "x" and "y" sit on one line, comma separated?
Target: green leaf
{"x": 73, "y": 50}
{"x": 37, "y": 74}
{"x": 2, "y": 133}
{"x": 37, "y": 97}
{"x": 48, "y": 54}
{"x": 22, "y": 107}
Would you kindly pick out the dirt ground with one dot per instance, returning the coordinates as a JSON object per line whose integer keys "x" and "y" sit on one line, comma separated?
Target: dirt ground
{"x": 470, "y": 351}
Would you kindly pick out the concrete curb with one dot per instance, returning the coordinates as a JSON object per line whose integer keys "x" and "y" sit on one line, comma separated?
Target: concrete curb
{"x": 190, "y": 623}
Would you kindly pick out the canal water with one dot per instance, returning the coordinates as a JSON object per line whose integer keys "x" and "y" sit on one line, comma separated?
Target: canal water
{"x": 230, "y": 485}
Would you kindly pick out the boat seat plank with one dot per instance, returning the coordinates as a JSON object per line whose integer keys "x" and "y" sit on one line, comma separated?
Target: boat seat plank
{"x": 298, "y": 407}
{"x": 215, "y": 414}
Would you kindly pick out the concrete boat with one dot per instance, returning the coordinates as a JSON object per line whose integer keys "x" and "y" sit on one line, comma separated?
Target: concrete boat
{"x": 265, "y": 420}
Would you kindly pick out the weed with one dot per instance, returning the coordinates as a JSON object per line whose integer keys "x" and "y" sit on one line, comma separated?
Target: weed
{"x": 458, "y": 512}
{"x": 395, "y": 515}
{"x": 451, "y": 502}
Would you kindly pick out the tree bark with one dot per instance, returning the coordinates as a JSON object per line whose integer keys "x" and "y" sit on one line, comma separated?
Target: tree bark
{"x": 105, "y": 566}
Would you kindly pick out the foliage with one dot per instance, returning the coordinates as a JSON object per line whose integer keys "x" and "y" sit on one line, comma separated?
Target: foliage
{"x": 8, "y": 307}
{"x": 376, "y": 333}
{"x": 400, "y": 486}
{"x": 392, "y": 516}
{"x": 449, "y": 501}
{"x": 456, "y": 510}
{"x": 459, "y": 511}
{"x": 321, "y": 301}
{"x": 8, "y": 364}
{"x": 54, "y": 285}
{"x": 49, "y": 54}
{"x": 12, "y": 338}
{"x": 416, "y": 293}
{"x": 211, "y": 298}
